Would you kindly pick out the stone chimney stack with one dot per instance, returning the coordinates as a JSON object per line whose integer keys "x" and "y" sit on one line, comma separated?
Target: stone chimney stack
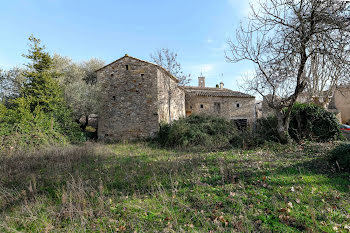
{"x": 221, "y": 85}
{"x": 201, "y": 81}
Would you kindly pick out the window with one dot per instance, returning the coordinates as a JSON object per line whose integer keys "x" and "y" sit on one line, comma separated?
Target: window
{"x": 217, "y": 107}
{"x": 113, "y": 97}
{"x": 142, "y": 75}
{"x": 237, "y": 105}
{"x": 127, "y": 67}
{"x": 202, "y": 106}
{"x": 112, "y": 74}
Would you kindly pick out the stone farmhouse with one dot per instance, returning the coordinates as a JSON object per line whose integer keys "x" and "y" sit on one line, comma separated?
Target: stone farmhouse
{"x": 221, "y": 102}
{"x": 137, "y": 96}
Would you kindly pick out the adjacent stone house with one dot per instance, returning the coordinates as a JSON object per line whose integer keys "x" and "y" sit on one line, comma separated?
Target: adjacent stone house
{"x": 340, "y": 104}
{"x": 337, "y": 102}
{"x": 136, "y": 96}
{"x": 221, "y": 102}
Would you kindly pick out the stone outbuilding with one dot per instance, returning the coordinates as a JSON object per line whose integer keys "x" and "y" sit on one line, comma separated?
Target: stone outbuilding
{"x": 221, "y": 102}
{"x": 136, "y": 96}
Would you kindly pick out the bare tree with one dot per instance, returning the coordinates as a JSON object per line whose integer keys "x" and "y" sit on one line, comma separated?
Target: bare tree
{"x": 280, "y": 38}
{"x": 168, "y": 60}
{"x": 324, "y": 77}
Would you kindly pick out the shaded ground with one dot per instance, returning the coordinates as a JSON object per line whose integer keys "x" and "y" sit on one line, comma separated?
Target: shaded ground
{"x": 134, "y": 187}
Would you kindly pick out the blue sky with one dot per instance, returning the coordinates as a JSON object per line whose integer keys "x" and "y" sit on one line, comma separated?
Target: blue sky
{"x": 196, "y": 30}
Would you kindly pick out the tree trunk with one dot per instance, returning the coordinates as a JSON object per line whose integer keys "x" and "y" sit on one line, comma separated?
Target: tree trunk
{"x": 282, "y": 127}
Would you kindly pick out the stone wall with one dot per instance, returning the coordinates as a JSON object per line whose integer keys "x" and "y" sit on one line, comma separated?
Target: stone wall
{"x": 128, "y": 100}
{"x": 342, "y": 103}
{"x": 226, "y": 107}
{"x": 169, "y": 94}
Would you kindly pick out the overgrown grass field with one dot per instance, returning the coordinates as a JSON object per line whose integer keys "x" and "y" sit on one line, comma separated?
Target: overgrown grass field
{"x": 140, "y": 188}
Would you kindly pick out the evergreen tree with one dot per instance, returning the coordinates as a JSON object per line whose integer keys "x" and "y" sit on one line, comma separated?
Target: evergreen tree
{"x": 41, "y": 88}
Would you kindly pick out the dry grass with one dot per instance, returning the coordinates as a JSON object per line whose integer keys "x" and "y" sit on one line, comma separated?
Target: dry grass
{"x": 133, "y": 187}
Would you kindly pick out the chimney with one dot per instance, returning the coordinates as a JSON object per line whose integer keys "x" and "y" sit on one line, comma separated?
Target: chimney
{"x": 201, "y": 81}
{"x": 221, "y": 85}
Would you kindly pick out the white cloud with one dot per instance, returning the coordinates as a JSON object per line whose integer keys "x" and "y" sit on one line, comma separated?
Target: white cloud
{"x": 209, "y": 41}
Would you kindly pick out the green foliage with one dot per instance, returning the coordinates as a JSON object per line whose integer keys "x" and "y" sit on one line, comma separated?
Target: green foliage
{"x": 266, "y": 128}
{"x": 41, "y": 60}
{"x": 307, "y": 122}
{"x": 21, "y": 127}
{"x": 40, "y": 114}
{"x": 340, "y": 157}
{"x": 312, "y": 122}
{"x": 197, "y": 130}
{"x": 78, "y": 81}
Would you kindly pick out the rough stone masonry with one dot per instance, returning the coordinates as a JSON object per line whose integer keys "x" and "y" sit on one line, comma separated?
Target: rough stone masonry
{"x": 137, "y": 96}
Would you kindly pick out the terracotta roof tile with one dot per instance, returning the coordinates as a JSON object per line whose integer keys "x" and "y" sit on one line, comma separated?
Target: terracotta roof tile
{"x": 216, "y": 92}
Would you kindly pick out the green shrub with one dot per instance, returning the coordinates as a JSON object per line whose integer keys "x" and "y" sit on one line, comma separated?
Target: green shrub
{"x": 197, "y": 130}
{"x": 307, "y": 122}
{"x": 39, "y": 115}
{"x": 247, "y": 138}
{"x": 312, "y": 122}
{"x": 340, "y": 157}
{"x": 22, "y": 128}
{"x": 266, "y": 129}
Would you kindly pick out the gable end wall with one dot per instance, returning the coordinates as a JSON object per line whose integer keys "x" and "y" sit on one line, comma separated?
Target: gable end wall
{"x": 128, "y": 100}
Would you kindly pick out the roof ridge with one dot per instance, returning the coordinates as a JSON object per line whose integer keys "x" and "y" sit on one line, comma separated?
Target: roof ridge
{"x": 214, "y": 91}
{"x": 126, "y": 55}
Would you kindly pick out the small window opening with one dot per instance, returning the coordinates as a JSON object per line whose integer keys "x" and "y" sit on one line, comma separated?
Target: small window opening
{"x": 113, "y": 97}
{"x": 142, "y": 75}
{"x": 190, "y": 107}
{"x": 217, "y": 107}
{"x": 202, "y": 106}
{"x": 112, "y": 74}
{"x": 237, "y": 105}
{"x": 127, "y": 67}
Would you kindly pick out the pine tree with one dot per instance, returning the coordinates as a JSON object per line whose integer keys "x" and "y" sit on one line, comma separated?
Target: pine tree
{"x": 41, "y": 88}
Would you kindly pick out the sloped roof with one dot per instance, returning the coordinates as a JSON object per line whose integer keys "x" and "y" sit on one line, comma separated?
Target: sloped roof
{"x": 158, "y": 66}
{"x": 215, "y": 92}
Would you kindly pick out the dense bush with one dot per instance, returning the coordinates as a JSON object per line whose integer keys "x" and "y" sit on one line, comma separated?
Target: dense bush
{"x": 340, "y": 157}
{"x": 266, "y": 129}
{"x": 312, "y": 122}
{"x": 307, "y": 122}
{"x": 198, "y": 130}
